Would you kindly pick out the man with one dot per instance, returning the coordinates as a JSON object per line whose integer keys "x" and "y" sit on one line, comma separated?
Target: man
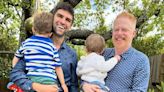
{"x": 63, "y": 19}
{"x": 132, "y": 73}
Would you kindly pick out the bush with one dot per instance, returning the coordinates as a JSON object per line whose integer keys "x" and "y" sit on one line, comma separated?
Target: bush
{"x": 160, "y": 88}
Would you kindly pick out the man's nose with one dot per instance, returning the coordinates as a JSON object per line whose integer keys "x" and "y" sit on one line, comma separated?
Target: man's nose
{"x": 119, "y": 31}
{"x": 63, "y": 21}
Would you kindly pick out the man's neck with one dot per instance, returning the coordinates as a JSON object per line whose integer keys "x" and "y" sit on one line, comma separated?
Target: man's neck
{"x": 119, "y": 51}
{"x": 57, "y": 41}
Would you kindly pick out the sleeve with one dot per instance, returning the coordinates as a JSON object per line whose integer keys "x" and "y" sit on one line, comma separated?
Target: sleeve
{"x": 141, "y": 76}
{"x": 19, "y": 53}
{"x": 18, "y": 76}
{"x": 82, "y": 69}
{"x": 79, "y": 67}
{"x": 56, "y": 58}
{"x": 74, "y": 78}
{"x": 105, "y": 66}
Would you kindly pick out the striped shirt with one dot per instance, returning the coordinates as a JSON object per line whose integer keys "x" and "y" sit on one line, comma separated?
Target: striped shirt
{"x": 40, "y": 55}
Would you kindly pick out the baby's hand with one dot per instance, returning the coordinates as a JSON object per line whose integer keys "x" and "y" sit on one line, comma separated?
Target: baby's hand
{"x": 64, "y": 86}
{"x": 118, "y": 57}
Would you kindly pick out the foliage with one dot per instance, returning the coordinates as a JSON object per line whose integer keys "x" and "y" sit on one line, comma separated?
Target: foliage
{"x": 150, "y": 33}
{"x": 91, "y": 14}
{"x": 150, "y": 90}
{"x": 151, "y": 45}
{"x": 80, "y": 50}
{"x": 5, "y": 65}
{"x": 160, "y": 88}
{"x": 9, "y": 29}
{"x": 8, "y": 42}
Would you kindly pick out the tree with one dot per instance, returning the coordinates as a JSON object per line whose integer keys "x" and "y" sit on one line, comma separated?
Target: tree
{"x": 149, "y": 14}
{"x": 9, "y": 27}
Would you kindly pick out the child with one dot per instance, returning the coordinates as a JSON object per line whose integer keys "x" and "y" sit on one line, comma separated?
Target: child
{"x": 41, "y": 56}
{"x": 93, "y": 68}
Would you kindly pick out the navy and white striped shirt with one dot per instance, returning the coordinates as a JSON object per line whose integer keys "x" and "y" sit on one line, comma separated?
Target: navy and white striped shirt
{"x": 40, "y": 55}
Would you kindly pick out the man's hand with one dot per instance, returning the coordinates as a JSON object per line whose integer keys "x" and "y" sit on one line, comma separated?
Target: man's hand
{"x": 90, "y": 88}
{"x": 64, "y": 86}
{"x": 44, "y": 88}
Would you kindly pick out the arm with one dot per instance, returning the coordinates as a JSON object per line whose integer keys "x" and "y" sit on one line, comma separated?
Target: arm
{"x": 18, "y": 55}
{"x": 141, "y": 77}
{"x": 86, "y": 87}
{"x": 105, "y": 66}
{"x": 18, "y": 76}
{"x": 60, "y": 75}
{"x": 14, "y": 61}
{"x": 44, "y": 88}
{"x": 81, "y": 69}
{"x": 74, "y": 78}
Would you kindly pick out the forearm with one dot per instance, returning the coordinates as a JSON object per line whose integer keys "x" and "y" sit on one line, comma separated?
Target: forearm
{"x": 18, "y": 76}
{"x": 106, "y": 66}
{"x": 86, "y": 87}
{"x": 44, "y": 88}
{"x": 60, "y": 75}
{"x": 14, "y": 61}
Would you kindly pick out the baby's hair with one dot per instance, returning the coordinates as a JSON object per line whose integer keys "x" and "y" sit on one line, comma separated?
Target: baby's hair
{"x": 43, "y": 22}
{"x": 95, "y": 43}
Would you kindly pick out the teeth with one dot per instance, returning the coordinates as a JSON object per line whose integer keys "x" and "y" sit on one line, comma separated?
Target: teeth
{"x": 61, "y": 27}
{"x": 119, "y": 38}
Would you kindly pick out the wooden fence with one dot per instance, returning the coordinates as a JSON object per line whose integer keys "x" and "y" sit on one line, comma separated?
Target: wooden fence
{"x": 157, "y": 70}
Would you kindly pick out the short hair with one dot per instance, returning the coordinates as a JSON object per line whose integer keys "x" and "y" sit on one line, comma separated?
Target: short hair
{"x": 95, "y": 43}
{"x": 65, "y": 6}
{"x": 128, "y": 15}
{"x": 43, "y": 22}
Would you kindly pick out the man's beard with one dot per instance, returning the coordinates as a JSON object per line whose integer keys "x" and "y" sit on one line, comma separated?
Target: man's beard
{"x": 54, "y": 31}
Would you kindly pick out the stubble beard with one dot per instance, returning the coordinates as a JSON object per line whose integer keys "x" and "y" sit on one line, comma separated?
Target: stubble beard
{"x": 55, "y": 32}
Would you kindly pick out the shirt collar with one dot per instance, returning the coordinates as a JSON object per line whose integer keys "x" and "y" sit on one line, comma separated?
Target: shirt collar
{"x": 63, "y": 45}
{"x": 125, "y": 54}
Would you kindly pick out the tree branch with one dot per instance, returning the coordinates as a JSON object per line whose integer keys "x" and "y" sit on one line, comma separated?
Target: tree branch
{"x": 73, "y": 2}
{"x": 143, "y": 17}
{"x": 78, "y": 34}
{"x": 77, "y": 37}
{"x": 9, "y": 3}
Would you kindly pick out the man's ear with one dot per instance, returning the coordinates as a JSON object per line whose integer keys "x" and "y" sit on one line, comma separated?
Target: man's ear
{"x": 135, "y": 33}
{"x": 33, "y": 30}
{"x": 50, "y": 35}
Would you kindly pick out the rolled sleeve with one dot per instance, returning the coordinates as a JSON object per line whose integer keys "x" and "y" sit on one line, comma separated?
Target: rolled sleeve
{"x": 18, "y": 76}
